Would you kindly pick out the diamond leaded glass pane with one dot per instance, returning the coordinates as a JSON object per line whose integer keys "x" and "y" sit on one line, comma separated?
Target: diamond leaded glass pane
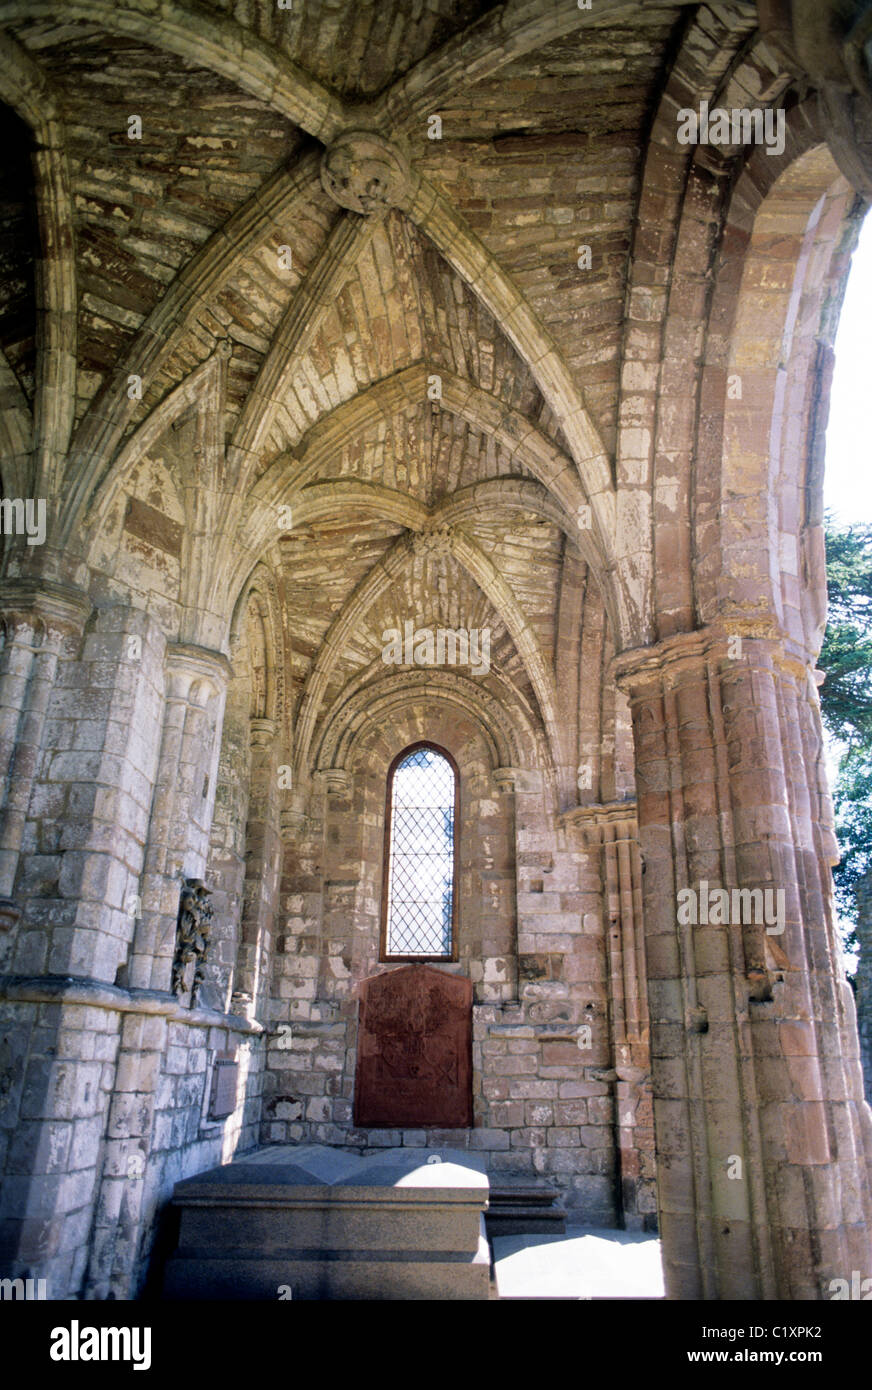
{"x": 421, "y": 862}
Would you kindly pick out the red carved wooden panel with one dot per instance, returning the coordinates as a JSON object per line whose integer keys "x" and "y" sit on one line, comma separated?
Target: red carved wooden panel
{"x": 414, "y": 1050}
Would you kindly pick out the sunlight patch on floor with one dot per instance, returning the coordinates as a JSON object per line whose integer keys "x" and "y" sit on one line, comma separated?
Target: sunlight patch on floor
{"x": 581, "y": 1264}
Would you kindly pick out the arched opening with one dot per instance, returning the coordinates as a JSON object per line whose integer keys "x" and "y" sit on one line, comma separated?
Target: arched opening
{"x": 729, "y": 756}
{"x": 844, "y": 656}
{"x": 419, "y": 898}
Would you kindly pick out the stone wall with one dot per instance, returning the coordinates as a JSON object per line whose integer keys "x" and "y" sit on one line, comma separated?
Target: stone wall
{"x": 549, "y": 1105}
{"x": 323, "y": 320}
{"x": 106, "y": 1089}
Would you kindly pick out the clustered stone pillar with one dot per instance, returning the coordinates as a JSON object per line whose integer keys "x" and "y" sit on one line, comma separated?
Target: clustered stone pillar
{"x": 762, "y": 1136}
{"x": 181, "y": 813}
{"x": 500, "y": 936}
{"x": 177, "y": 846}
{"x": 611, "y": 831}
{"x": 126, "y": 1187}
{"x": 38, "y": 621}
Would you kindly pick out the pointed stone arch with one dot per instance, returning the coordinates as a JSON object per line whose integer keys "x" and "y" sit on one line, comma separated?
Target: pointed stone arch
{"x": 757, "y": 509}
{"x": 261, "y": 583}
{"x": 200, "y": 279}
{"x": 285, "y": 481}
{"x": 217, "y": 43}
{"x": 376, "y": 582}
{"x": 668, "y": 276}
{"x": 514, "y": 742}
{"x": 491, "y": 284}
{"x": 16, "y": 432}
{"x": 294, "y": 334}
{"x": 202, "y": 389}
{"x": 24, "y": 87}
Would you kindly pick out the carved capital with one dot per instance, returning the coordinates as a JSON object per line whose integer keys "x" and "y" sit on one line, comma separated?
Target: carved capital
{"x": 261, "y": 732}
{"x": 612, "y": 820}
{"x": 195, "y": 673}
{"x": 44, "y": 606}
{"x": 364, "y": 173}
{"x": 335, "y": 781}
{"x": 292, "y": 818}
{"x": 730, "y": 644}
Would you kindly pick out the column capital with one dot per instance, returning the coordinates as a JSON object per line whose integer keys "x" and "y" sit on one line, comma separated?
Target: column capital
{"x": 293, "y": 816}
{"x": 515, "y": 779}
{"x": 261, "y": 732}
{"x": 190, "y": 666}
{"x": 44, "y": 603}
{"x": 754, "y": 642}
{"x": 506, "y": 778}
{"x": 335, "y": 781}
{"x": 612, "y": 820}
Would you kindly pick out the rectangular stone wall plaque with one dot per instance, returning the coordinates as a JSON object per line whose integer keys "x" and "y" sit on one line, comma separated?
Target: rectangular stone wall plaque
{"x": 225, "y": 1082}
{"x": 414, "y": 1051}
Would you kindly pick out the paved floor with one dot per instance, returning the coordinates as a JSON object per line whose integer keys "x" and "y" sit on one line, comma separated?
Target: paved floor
{"x": 582, "y": 1264}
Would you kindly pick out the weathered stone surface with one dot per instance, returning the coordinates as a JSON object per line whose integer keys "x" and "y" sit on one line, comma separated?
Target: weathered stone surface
{"x": 527, "y": 368}
{"x": 364, "y": 173}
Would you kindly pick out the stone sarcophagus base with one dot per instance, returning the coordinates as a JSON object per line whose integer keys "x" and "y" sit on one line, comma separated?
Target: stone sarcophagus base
{"x": 311, "y": 1222}
{"x": 414, "y": 1051}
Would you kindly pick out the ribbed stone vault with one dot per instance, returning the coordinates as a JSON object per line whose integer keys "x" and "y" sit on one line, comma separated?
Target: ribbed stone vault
{"x": 322, "y": 321}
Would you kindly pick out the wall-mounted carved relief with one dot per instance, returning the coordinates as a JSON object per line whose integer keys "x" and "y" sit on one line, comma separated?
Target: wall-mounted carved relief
{"x": 193, "y": 932}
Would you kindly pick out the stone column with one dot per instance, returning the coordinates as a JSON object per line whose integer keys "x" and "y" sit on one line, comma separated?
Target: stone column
{"x": 38, "y": 621}
{"x": 181, "y": 811}
{"x": 763, "y": 1182}
{"x": 262, "y": 863}
{"x": 225, "y": 873}
{"x": 610, "y": 831}
{"x": 501, "y": 982}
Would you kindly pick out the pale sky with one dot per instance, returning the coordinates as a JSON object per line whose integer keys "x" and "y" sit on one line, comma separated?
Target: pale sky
{"x": 848, "y": 465}
{"x": 848, "y": 469}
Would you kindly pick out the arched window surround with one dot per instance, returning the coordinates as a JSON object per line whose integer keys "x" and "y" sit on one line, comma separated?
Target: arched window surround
{"x": 395, "y": 957}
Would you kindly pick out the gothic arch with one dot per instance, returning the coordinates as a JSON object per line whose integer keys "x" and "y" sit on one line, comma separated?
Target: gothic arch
{"x": 261, "y": 588}
{"x": 224, "y": 47}
{"x": 202, "y": 277}
{"x": 201, "y": 389}
{"x": 679, "y": 219}
{"x": 379, "y": 578}
{"x": 24, "y": 86}
{"x": 512, "y": 742}
{"x": 758, "y": 537}
{"x": 285, "y": 480}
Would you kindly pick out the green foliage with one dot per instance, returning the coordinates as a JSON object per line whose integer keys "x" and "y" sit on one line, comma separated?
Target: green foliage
{"x": 846, "y": 699}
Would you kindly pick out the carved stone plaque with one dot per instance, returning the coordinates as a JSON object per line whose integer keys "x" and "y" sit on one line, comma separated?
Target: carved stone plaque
{"x": 414, "y": 1051}
{"x": 225, "y": 1080}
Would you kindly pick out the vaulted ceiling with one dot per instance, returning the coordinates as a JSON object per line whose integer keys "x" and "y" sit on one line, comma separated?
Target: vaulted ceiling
{"x": 368, "y": 371}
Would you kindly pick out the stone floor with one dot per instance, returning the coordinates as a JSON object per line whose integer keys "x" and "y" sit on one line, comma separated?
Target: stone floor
{"x": 583, "y": 1263}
